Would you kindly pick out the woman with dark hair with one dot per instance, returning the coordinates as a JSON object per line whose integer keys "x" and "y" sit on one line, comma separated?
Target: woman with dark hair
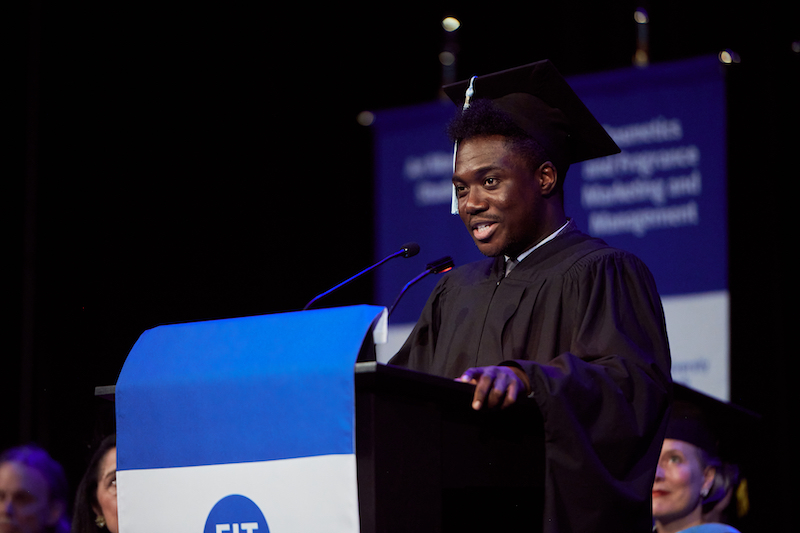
{"x": 96, "y": 500}
{"x": 33, "y": 492}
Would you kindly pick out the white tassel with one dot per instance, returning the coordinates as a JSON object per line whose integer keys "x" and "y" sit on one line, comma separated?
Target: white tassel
{"x": 453, "y": 196}
{"x": 470, "y": 93}
{"x": 467, "y": 98}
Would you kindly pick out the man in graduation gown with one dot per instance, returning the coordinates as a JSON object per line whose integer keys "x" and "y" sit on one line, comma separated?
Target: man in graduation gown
{"x": 553, "y": 313}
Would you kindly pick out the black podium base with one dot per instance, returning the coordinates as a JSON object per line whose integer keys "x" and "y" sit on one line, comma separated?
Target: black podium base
{"x": 428, "y": 462}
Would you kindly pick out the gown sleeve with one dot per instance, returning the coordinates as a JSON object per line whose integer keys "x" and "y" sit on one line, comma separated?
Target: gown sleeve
{"x": 604, "y": 397}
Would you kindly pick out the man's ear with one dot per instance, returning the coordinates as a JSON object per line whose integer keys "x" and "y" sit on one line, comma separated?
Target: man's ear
{"x": 548, "y": 178}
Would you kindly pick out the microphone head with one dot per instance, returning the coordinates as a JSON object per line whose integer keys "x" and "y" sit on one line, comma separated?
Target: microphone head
{"x": 441, "y": 265}
{"x": 410, "y": 249}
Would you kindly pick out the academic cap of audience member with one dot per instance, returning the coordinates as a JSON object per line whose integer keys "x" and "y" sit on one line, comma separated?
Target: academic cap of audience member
{"x": 720, "y": 428}
{"x": 726, "y": 432}
{"x": 540, "y": 101}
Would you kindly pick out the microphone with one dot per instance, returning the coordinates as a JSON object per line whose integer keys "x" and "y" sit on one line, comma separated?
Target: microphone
{"x": 437, "y": 267}
{"x": 409, "y": 249}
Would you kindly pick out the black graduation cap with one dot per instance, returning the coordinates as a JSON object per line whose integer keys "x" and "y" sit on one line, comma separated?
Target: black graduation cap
{"x": 541, "y": 102}
{"x": 722, "y": 429}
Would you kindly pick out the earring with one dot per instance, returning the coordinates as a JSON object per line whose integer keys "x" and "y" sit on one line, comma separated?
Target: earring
{"x": 100, "y": 521}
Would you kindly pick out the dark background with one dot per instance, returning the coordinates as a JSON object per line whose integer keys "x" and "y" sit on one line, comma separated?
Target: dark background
{"x": 179, "y": 162}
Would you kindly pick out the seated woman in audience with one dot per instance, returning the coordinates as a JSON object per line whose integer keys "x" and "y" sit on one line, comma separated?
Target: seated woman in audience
{"x": 690, "y": 472}
{"x": 33, "y": 492}
{"x": 96, "y": 500}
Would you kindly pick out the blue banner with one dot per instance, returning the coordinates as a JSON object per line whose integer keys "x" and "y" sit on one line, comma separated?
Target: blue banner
{"x": 663, "y": 198}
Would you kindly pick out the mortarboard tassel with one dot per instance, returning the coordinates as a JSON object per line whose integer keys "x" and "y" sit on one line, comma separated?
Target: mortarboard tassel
{"x": 467, "y": 99}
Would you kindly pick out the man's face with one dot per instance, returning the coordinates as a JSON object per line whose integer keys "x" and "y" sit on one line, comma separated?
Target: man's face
{"x": 499, "y": 198}
{"x": 25, "y": 505}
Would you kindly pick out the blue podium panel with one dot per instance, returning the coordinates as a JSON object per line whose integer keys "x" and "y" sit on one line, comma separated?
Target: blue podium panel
{"x": 256, "y": 409}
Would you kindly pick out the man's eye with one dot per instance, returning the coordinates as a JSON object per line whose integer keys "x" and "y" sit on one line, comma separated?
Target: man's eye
{"x": 490, "y": 181}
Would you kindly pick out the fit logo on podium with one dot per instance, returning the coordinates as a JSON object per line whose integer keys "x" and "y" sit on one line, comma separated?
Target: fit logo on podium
{"x": 247, "y": 527}
{"x": 236, "y": 514}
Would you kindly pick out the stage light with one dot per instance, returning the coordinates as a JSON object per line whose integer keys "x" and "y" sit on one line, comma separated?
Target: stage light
{"x": 728, "y": 57}
{"x": 451, "y": 24}
{"x": 641, "y": 58}
{"x": 366, "y": 118}
{"x": 447, "y": 58}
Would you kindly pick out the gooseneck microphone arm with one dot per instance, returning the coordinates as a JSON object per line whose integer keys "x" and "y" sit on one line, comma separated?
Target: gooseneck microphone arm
{"x": 437, "y": 267}
{"x": 409, "y": 249}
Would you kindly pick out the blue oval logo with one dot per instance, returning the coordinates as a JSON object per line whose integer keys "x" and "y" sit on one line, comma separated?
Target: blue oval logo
{"x": 236, "y": 514}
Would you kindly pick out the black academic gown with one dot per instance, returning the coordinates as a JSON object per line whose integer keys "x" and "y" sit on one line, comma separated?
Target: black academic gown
{"x": 585, "y": 322}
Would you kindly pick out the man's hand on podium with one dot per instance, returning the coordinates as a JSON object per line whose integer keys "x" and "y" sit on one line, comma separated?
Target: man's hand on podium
{"x": 496, "y": 385}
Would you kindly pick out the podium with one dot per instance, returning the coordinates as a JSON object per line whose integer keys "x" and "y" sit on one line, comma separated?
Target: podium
{"x": 428, "y": 462}
{"x": 262, "y": 424}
